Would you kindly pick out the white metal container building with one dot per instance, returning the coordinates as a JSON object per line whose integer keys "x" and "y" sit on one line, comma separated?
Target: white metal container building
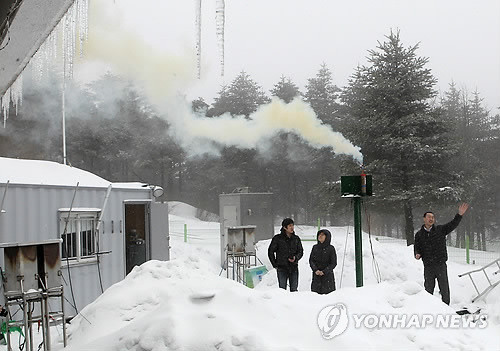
{"x": 35, "y": 205}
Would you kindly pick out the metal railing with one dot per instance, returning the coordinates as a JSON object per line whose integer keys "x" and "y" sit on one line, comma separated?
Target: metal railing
{"x": 491, "y": 284}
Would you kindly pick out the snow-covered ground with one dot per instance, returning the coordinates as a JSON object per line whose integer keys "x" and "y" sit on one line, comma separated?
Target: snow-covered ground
{"x": 187, "y": 304}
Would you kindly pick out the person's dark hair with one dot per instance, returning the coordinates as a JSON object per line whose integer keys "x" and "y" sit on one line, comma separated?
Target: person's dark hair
{"x": 286, "y": 222}
{"x": 425, "y": 214}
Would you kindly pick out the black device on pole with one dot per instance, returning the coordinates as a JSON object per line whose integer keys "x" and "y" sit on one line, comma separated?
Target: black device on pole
{"x": 356, "y": 187}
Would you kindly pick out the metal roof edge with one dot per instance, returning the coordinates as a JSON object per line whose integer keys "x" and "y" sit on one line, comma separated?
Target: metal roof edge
{"x": 37, "y": 46}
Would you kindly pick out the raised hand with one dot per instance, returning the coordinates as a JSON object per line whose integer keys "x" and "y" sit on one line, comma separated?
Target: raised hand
{"x": 463, "y": 208}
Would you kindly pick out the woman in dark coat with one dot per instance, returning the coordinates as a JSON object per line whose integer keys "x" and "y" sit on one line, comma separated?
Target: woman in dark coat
{"x": 323, "y": 260}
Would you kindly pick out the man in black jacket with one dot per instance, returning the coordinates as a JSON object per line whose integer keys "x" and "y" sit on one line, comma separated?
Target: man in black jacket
{"x": 288, "y": 249}
{"x": 430, "y": 246}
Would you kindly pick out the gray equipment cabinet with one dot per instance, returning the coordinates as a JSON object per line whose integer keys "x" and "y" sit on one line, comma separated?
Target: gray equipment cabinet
{"x": 245, "y": 209}
{"x": 240, "y": 252}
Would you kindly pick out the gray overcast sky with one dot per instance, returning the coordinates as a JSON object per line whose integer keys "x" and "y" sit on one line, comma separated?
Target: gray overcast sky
{"x": 268, "y": 38}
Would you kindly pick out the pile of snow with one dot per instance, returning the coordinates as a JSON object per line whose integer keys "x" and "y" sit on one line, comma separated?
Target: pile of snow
{"x": 184, "y": 304}
{"x": 188, "y": 304}
{"x": 183, "y": 210}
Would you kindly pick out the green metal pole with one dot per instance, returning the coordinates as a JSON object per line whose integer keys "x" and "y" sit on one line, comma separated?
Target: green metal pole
{"x": 358, "y": 242}
{"x": 185, "y": 233}
{"x": 467, "y": 253}
{"x": 319, "y": 224}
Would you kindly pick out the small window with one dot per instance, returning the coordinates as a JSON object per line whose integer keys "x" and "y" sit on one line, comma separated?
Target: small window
{"x": 78, "y": 232}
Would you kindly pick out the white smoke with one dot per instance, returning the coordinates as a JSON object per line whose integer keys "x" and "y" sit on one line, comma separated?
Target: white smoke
{"x": 161, "y": 75}
{"x": 297, "y": 117}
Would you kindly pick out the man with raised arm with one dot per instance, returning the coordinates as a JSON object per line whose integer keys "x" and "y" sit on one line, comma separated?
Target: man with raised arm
{"x": 430, "y": 246}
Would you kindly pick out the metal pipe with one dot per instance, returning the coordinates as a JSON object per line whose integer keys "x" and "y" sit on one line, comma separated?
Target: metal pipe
{"x": 475, "y": 287}
{"x": 44, "y": 324}
{"x": 30, "y": 329}
{"x": 358, "y": 241}
{"x": 47, "y": 321}
{"x": 63, "y": 316}
{"x": 108, "y": 192}
{"x": 363, "y": 182}
{"x": 9, "y": 346}
{"x": 25, "y": 317}
{"x": 482, "y": 268}
{"x": 63, "y": 108}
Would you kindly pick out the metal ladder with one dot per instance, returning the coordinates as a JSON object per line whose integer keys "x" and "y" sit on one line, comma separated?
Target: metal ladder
{"x": 491, "y": 285}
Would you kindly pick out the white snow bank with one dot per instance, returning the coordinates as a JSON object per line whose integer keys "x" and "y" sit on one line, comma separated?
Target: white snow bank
{"x": 181, "y": 209}
{"x": 186, "y": 211}
{"x": 183, "y": 305}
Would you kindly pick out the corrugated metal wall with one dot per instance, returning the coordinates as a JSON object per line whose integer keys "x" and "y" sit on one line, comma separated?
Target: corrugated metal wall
{"x": 31, "y": 215}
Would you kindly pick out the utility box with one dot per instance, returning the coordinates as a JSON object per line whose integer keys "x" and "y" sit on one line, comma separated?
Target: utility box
{"x": 241, "y": 239}
{"x": 245, "y": 209}
{"x": 51, "y": 263}
{"x": 353, "y": 185}
{"x": 31, "y": 266}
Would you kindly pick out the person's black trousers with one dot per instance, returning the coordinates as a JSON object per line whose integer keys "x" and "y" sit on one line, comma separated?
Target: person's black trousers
{"x": 291, "y": 275}
{"x": 439, "y": 272}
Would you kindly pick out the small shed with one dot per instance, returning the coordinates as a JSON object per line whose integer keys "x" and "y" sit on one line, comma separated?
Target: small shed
{"x": 105, "y": 228}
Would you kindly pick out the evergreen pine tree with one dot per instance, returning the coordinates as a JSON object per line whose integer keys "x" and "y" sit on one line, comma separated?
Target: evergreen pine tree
{"x": 322, "y": 95}
{"x": 403, "y": 140}
{"x": 242, "y": 97}
{"x": 285, "y": 89}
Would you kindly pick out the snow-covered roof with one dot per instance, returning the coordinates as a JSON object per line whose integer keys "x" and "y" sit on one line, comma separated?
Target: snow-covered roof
{"x": 32, "y": 24}
{"x": 17, "y": 171}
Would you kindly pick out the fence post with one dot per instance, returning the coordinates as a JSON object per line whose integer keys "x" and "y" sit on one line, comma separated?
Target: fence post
{"x": 319, "y": 224}
{"x": 467, "y": 254}
{"x": 185, "y": 232}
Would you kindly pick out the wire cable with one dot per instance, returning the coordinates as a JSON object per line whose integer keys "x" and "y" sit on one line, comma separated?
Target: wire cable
{"x": 343, "y": 259}
{"x": 375, "y": 266}
{"x": 98, "y": 235}
{"x": 98, "y": 262}
{"x": 67, "y": 253}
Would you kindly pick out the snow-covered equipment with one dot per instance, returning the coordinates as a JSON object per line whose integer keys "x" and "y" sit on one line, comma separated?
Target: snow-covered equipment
{"x": 491, "y": 280}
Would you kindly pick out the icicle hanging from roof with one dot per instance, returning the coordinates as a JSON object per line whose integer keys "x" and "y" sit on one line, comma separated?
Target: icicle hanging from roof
{"x": 83, "y": 22}
{"x": 5, "y": 105}
{"x": 74, "y": 21}
{"x": 16, "y": 92}
{"x": 12, "y": 95}
{"x": 219, "y": 31}
{"x": 197, "y": 24}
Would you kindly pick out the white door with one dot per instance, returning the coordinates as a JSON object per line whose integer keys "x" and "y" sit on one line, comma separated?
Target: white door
{"x": 159, "y": 241}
